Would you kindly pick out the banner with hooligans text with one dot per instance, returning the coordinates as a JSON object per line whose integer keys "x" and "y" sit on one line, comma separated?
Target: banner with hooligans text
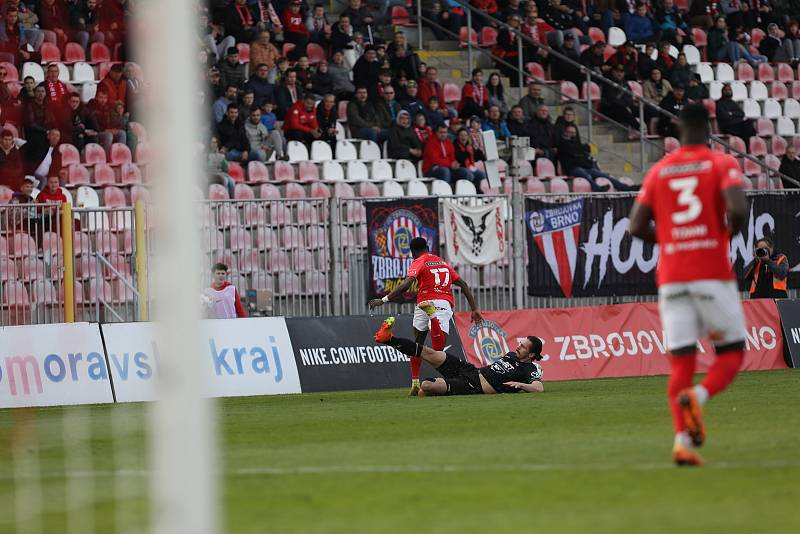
{"x": 582, "y": 248}
{"x": 391, "y": 226}
{"x": 609, "y": 341}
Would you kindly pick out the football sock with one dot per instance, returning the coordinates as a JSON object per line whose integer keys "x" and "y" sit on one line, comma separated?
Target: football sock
{"x": 681, "y": 378}
{"x": 407, "y": 347}
{"x": 701, "y": 393}
{"x": 722, "y": 372}
{"x": 682, "y": 439}
{"x": 415, "y": 363}
{"x": 437, "y": 336}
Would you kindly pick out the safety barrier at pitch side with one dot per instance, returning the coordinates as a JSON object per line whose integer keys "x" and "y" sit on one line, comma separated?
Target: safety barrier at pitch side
{"x": 611, "y": 341}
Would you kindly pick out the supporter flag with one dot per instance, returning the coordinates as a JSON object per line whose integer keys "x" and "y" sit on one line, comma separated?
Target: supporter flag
{"x": 474, "y": 234}
{"x": 391, "y": 226}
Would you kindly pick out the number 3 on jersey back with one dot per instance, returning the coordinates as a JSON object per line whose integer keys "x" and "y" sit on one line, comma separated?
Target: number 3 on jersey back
{"x": 686, "y": 198}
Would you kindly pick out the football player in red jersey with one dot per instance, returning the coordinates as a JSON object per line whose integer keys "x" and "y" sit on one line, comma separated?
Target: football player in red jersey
{"x": 436, "y": 278}
{"x": 696, "y": 199}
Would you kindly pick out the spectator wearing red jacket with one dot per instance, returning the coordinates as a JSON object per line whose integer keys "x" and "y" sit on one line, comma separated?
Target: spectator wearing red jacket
{"x": 439, "y": 159}
{"x": 479, "y": 20}
{"x": 294, "y": 29}
{"x": 429, "y": 86}
{"x": 113, "y": 85}
{"x": 52, "y": 194}
{"x": 474, "y": 97}
{"x": 301, "y": 122}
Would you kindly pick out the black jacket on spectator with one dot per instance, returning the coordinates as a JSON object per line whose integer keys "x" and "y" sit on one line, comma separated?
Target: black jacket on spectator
{"x": 562, "y": 70}
{"x": 680, "y": 75}
{"x": 322, "y": 83}
{"x": 561, "y": 125}
{"x": 791, "y": 168}
{"x": 231, "y": 135}
{"x": 556, "y": 18}
{"x": 644, "y": 66}
{"x": 339, "y": 39}
{"x": 669, "y": 103}
{"x": 327, "y": 121}
{"x": 572, "y": 153}
{"x": 731, "y": 121}
{"x": 283, "y": 99}
{"x": 357, "y": 17}
{"x": 233, "y": 22}
{"x": 542, "y": 133}
{"x": 520, "y": 129}
{"x": 262, "y": 90}
{"x": 592, "y": 60}
{"x": 365, "y": 73}
{"x": 361, "y": 115}
{"x": 401, "y": 140}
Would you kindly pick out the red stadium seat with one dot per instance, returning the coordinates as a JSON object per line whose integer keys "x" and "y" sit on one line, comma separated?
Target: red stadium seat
{"x": 751, "y": 168}
{"x": 50, "y": 53}
{"x": 292, "y": 238}
{"x": 779, "y": 91}
{"x": 74, "y": 53}
{"x": 315, "y": 53}
{"x": 114, "y": 197}
{"x": 488, "y": 37}
{"x": 269, "y": 192}
{"x": 559, "y": 185}
{"x": 15, "y": 294}
{"x": 772, "y": 161}
{"x": 569, "y": 92}
{"x": 766, "y": 72}
{"x": 545, "y": 168}
{"x": 343, "y": 190}
{"x": 98, "y": 53}
{"x": 282, "y": 172}
{"x": 6, "y": 193}
{"x": 243, "y": 192}
{"x": 254, "y": 215}
{"x": 78, "y": 175}
{"x": 287, "y": 49}
{"x": 307, "y": 214}
{"x": 785, "y": 73}
{"x": 581, "y": 185}
{"x": 307, "y": 171}
{"x": 130, "y": 174}
{"x": 106, "y": 242}
{"x": 400, "y": 16}
{"x": 451, "y": 93}
{"x": 8, "y": 269}
{"x": 140, "y": 193}
{"x": 536, "y": 71}
{"x": 796, "y": 89}
{"x": 244, "y": 52}
{"x": 266, "y": 238}
{"x": 368, "y": 190}
{"x": 104, "y": 175}
{"x": 758, "y": 147}
{"x": 12, "y": 74}
{"x": 279, "y": 214}
{"x": 320, "y": 190}
{"x": 120, "y": 153}
{"x": 596, "y": 34}
{"x": 294, "y": 190}
{"x": 142, "y": 154}
{"x": 139, "y": 131}
{"x": 756, "y": 36}
{"x": 342, "y": 110}
{"x": 240, "y": 239}
{"x": 93, "y": 154}
{"x": 43, "y": 292}
{"x": 744, "y": 73}
{"x": 23, "y": 245}
{"x": 699, "y": 37}
{"x": 32, "y": 269}
{"x": 218, "y": 192}
{"x": 608, "y": 52}
{"x": 51, "y": 244}
{"x": 69, "y": 154}
{"x": 257, "y": 173}
{"x": 236, "y": 171}
{"x": 737, "y": 144}
{"x": 671, "y": 144}
{"x": 778, "y": 145}
{"x": 462, "y": 37}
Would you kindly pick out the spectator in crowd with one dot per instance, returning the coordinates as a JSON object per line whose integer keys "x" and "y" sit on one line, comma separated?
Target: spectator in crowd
{"x": 363, "y": 120}
{"x": 52, "y": 192}
{"x": 617, "y": 103}
{"x": 531, "y": 102}
{"x": 484, "y": 7}
{"x": 361, "y": 17}
{"x": 262, "y": 142}
{"x": 11, "y": 169}
{"x": 288, "y": 93}
{"x": 429, "y": 86}
{"x": 779, "y": 49}
{"x": 403, "y": 141}
{"x": 247, "y": 102}
{"x": 51, "y": 159}
{"x": 278, "y": 73}
{"x": 221, "y": 104}
{"x": 434, "y": 114}
{"x": 56, "y": 90}
{"x": 342, "y": 34}
{"x": 696, "y": 91}
{"x": 560, "y": 17}
{"x": 222, "y": 298}
{"x": 625, "y": 56}
{"x": 654, "y": 90}
{"x": 474, "y": 96}
{"x": 27, "y": 94}
{"x": 639, "y": 27}
{"x": 543, "y": 133}
{"x": 326, "y": 119}
{"x": 133, "y": 84}
{"x": 387, "y": 108}
{"x": 343, "y": 88}
{"x": 259, "y": 85}
{"x": 213, "y": 88}
{"x": 243, "y": 21}
{"x": 319, "y": 30}
{"x": 411, "y": 102}
{"x": 268, "y": 117}
{"x": 453, "y": 126}
{"x": 518, "y": 125}
{"x": 645, "y": 63}
{"x": 669, "y": 20}
{"x": 6, "y": 98}
{"x": 564, "y": 70}
{"x": 768, "y": 272}
{"x": 39, "y": 118}
{"x": 447, "y": 22}
{"x": 217, "y": 167}
{"x": 421, "y": 128}
{"x": 567, "y": 118}
{"x": 790, "y": 166}
{"x": 231, "y": 136}
{"x": 592, "y": 58}
{"x": 366, "y": 71}
{"x": 301, "y": 122}
{"x": 722, "y": 48}
{"x": 664, "y": 61}
{"x": 263, "y": 52}
{"x": 494, "y": 122}
{"x": 730, "y": 116}
{"x": 231, "y": 71}
{"x": 304, "y": 73}
{"x": 321, "y": 80}
{"x": 507, "y": 47}
{"x": 54, "y": 17}
{"x": 114, "y": 86}
{"x": 24, "y": 220}
{"x": 576, "y": 160}
{"x": 674, "y": 103}
{"x": 475, "y": 130}
{"x": 497, "y": 94}
{"x": 294, "y": 28}
{"x": 702, "y": 13}
{"x": 14, "y": 40}
{"x": 467, "y": 156}
{"x": 402, "y": 58}
{"x": 77, "y": 125}
{"x": 681, "y": 71}
{"x": 513, "y": 7}
{"x": 439, "y": 159}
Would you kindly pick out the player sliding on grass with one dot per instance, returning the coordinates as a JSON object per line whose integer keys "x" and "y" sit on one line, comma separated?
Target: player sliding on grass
{"x": 696, "y": 200}
{"x": 512, "y": 373}
{"x": 434, "y": 300}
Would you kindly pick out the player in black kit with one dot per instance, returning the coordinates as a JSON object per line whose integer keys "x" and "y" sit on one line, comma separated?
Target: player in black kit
{"x": 516, "y": 371}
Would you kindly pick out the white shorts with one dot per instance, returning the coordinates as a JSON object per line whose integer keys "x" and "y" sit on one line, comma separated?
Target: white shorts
{"x": 704, "y": 308}
{"x": 444, "y": 312}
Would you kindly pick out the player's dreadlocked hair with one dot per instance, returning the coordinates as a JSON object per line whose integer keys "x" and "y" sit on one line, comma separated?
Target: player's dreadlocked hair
{"x": 536, "y": 347}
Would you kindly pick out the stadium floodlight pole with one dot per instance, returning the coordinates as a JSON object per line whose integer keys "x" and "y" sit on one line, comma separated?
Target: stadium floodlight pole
{"x": 181, "y": 420}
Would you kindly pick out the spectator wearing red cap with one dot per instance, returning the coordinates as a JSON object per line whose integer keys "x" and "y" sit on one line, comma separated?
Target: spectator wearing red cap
{"x": 11, "y": 171}
{"x": 294, "y": 28}
{"x": 301, "y": 122}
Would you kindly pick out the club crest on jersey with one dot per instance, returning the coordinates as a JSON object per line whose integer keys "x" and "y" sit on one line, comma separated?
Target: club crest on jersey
{"x": 488, "y": 341}
{"x": 556, "y": 232}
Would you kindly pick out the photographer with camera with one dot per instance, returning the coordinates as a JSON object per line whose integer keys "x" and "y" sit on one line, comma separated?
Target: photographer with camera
{"x": 768, "y": 272}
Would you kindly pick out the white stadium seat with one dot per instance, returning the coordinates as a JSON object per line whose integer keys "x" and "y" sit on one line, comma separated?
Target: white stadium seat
{"x": 715, "y": 90}
{"x": 692, "y": 54}
{"x": 404, "y": 170}
{"x": 616, "y": 36}
{"x": 417, "y": 188}
{"x": 724, "y": 73}
{"x": 772, "y": 109}
{"x": 381, "y": 170}
{"x": 786, "y": 127}
{"x": 82, "y": 72}
{"x": 791, "y": 108}
{"x": 751, "y": 109}
{"x": 393, "y": 189}
{"x": 739, "y": 91}
{"x": 296, "y": 151}
{"x": 440, "y": 188}
{"x": 465, "y": 188}
{"x": 345, "y": 151}
{"x": 321, "y": 151}
{"x": 706, "y": 72}
{"x": 356, "y": 171}
{"x": 332, "y": 171}
{"x": 370, "y": 150}
{"x": 758, "y": 91}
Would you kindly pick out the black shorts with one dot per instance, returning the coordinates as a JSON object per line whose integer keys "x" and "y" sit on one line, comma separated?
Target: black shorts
{"x": 462, "y": 378}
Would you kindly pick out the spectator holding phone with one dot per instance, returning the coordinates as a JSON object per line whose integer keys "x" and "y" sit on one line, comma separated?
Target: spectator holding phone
{"x": 768, "y": 272}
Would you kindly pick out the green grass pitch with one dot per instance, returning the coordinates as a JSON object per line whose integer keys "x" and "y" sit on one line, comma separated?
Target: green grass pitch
{"x": 587, "y": 457}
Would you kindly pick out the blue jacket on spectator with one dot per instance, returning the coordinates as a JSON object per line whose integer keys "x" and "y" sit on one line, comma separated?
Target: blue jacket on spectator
{"x": 268, "y": 120}
{"x": 500, "y": 130}
{"x": 639, "y": 29}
